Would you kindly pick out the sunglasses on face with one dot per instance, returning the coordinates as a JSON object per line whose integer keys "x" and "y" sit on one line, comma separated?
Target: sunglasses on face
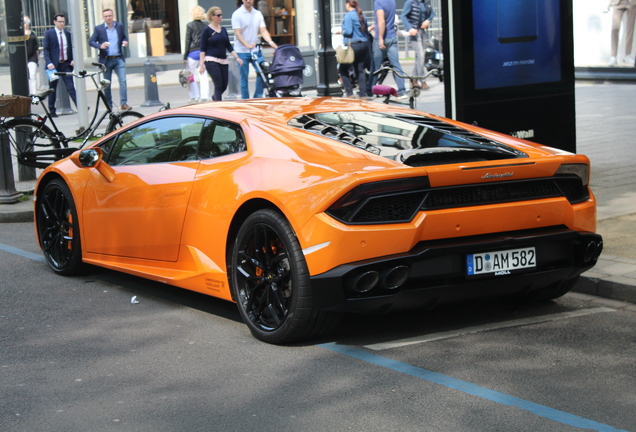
{"x": 218, "y": 15}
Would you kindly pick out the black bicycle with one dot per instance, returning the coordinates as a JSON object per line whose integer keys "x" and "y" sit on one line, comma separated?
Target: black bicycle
{"x": 35, "y": 145}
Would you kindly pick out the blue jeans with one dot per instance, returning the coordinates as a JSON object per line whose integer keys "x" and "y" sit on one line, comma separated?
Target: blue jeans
{"x": 119, "y": 65}
{"x": 391, "y": 52}
{"x": 245, "y": 70}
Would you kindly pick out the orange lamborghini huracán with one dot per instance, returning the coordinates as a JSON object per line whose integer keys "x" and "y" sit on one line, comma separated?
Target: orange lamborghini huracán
{"x": 301, "y": 209}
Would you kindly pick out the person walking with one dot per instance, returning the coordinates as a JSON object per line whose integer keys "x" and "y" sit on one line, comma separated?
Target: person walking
{"x": 192, "y": 55}
{"x": 215, "y": 43}
{"x": 109, "y": 38}
{"x": 628, "y": 8}
{"x": 354, "y": 30}
{"x": 33, "y": 54}
{"x": 58, "y": 54}
{"x": 385, "y": 43}
{"x": 247, "y": 22}
{"x": 416, "y": 17}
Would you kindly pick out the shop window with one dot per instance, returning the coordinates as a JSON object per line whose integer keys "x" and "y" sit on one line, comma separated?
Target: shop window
{"x": 153, "y": 27}
{"x": 279, "y": 19}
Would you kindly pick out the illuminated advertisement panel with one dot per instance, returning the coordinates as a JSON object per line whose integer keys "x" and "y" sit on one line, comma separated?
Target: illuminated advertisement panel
{"x": 516, "y": 42}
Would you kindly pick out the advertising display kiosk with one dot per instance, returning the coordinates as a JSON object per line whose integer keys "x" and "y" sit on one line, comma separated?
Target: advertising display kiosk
{"x": 509, "y": 67}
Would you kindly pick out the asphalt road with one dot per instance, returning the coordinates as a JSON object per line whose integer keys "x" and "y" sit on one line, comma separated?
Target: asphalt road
{"x": 77, "y": 355}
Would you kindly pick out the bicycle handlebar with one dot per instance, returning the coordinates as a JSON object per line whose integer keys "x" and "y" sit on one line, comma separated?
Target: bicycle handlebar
{"x": 101, "y": 67}
{"x": 434, "y": 72}
{"x": 83, "y": 73}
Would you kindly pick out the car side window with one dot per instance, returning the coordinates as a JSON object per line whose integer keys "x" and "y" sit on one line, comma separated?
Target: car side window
{"x": 169, "y": 139}
{"x": 221, "y": 138}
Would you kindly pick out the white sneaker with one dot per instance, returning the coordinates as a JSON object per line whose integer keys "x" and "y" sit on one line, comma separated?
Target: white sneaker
{"x": 612, "y": 61}
{"x": 629, "y": 60}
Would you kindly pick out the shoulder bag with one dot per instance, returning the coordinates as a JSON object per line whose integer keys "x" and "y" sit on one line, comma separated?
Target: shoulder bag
{"x": 345, "y": 55}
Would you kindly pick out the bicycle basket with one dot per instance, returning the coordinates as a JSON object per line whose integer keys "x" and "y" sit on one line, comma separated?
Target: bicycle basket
{"x": 14, "y": 106}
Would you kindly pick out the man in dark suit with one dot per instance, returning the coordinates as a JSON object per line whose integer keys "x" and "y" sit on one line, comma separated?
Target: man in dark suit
{"x": 109, "y": 38}
{"x": 58, "y": 54}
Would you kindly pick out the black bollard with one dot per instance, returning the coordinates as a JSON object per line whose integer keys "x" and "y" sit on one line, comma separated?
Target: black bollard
{"x": 8, "y": 193}
{"x": 327, "y": 63}
{"x": 150, "y": 85}
{"x": 13, "y": 20}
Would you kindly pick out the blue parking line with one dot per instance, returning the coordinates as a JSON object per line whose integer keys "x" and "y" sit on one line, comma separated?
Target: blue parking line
{"x": 22, "y": 253}
{"x": 472, "y": 389}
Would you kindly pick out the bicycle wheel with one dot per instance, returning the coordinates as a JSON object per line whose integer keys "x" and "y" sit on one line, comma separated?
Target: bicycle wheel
{"x": 29, "y": 140}
{"x": 122, "y": 120}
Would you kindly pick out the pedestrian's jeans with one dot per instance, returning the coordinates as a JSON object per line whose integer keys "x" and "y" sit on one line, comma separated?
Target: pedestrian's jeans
{"x": 392, "y": 53}
{"x": 119, "y": 65}
{"x": 244, "y": 72}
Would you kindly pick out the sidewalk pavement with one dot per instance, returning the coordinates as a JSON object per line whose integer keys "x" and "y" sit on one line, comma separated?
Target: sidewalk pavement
{"x": 605, "y": 115}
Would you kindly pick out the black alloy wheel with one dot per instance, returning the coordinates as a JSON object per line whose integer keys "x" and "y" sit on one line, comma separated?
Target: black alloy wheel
{"x": 271, "y": 284}
{"x": 58, "y": 228}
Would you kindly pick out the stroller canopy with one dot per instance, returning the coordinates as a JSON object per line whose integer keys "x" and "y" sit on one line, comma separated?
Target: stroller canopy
{"x": 287, "y": 66}
{"x": 287, "y": 58}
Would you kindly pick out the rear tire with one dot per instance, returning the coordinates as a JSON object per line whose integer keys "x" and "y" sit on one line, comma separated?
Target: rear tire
{"x": 58, "y": 228}
{"x": 271, "y": 284}
{"x": 122, "y": 120}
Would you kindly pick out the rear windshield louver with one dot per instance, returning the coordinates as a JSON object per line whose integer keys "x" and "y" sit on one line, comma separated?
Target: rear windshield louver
{"x": 448, "y": 128}
{"x": 319, "y": 127}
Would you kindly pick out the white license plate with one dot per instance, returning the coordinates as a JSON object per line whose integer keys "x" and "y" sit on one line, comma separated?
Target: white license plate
{"x": 500, "y": 262}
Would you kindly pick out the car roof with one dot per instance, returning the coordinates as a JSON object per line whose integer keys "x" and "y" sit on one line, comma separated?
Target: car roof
{"x": 281, "y": 110}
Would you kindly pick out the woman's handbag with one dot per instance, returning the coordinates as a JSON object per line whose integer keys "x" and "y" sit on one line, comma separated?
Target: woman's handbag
{"x": 345, "y": 55}
{"x": 185, "y": 77}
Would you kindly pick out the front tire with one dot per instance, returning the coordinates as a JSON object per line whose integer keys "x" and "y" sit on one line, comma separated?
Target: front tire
{"x": 271, "y": 284}
{"x": 58, "y": 228}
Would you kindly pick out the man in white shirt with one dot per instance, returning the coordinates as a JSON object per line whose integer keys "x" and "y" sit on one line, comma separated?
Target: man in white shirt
{"x": 247, "y": 22}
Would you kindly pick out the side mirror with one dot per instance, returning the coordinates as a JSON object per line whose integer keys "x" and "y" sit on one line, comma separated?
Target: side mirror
{"x": 90, "y": 157}
{"x": 87, "y": 158}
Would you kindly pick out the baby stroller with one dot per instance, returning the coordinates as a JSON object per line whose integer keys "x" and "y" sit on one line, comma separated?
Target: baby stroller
{"x": 283, "y": 77}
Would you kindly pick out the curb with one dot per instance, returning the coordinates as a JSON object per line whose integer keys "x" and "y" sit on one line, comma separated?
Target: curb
{"x": 17, "y": 216}
{"x": 613, "y": 287}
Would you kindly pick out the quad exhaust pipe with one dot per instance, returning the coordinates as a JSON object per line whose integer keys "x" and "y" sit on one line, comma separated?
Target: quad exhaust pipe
{"x": 390, "y": 278}
{"x": 592, "y": 250}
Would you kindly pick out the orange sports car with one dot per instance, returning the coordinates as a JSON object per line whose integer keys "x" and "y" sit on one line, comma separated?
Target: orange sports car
{"x": 301, "y": 209}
